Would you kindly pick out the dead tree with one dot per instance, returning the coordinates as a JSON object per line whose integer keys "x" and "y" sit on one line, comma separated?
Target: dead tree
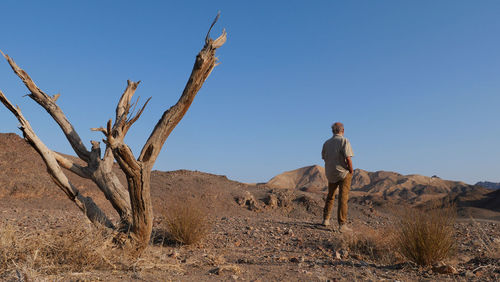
{"x": 133, "y": 204}
{"x": 99, "y": 170}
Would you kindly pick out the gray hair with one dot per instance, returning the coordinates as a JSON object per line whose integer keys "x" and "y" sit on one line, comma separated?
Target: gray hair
{"x": 337, "y": 127}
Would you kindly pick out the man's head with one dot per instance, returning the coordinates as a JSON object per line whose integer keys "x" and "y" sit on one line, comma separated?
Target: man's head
{"x": 338, "y": 128}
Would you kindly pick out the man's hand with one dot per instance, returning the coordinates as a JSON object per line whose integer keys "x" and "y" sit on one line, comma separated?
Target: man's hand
{"x": 349, "y": 164}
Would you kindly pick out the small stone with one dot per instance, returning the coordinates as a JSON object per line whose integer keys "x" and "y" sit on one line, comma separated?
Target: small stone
{"x": 444, "y": 269}
{"x": 296, "y": 259}
{"x": 272, "y": 201}
{"x": 226, "y": 269}
{"x": 282, "y": 258}
{"x": 337, "y": 255}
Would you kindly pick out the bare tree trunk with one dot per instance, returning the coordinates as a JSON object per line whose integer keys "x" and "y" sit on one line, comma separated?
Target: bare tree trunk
{"x": 142, "y": 209}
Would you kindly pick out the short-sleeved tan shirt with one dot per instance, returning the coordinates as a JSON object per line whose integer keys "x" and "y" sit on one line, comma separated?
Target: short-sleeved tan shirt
{"x": 335, "y": 151}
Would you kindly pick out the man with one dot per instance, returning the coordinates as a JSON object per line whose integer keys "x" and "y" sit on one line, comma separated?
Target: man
{"x": 337, "y": 153}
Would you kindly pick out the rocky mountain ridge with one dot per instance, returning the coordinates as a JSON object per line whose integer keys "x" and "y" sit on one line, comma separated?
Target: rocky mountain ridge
{"x": 488, "y": 184}
{"x": 380, "y": 185}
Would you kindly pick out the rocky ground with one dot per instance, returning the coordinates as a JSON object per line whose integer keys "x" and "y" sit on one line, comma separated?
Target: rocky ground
{"x": 266, "y": 240}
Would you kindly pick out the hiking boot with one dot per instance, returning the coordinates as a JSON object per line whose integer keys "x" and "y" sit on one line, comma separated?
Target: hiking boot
{"x": 326, "y": 222}
{"x": 343, "y": 228}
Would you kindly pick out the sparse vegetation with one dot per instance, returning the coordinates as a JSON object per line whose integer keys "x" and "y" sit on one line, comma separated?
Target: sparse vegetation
{"x": 490, "y": 247}
{"x": 186, "y": 221}
{"x": 28, "y": 255}
{"x": 72, "y": 253}
{"x": 426, "y": 236}
{"x": 372, "y": 245}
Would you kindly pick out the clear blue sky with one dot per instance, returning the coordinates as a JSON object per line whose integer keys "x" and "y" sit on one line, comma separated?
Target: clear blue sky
{"x": 416, "y": 83}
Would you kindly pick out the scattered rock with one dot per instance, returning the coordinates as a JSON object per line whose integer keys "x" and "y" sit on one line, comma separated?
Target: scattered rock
{"x": 284, "y": 198}
{"x": 309, "y": 204}
{"x": 337, "y": 255}
{"x": 272, "y": 201}
{"x": 226, "y": 269}
{"x": 297, "y": 259}
{"x": 444, "y": 269}
{"x": 248, "y": 201}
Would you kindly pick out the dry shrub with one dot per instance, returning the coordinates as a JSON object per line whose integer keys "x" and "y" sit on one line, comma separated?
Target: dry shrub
{"x": 56, "y": 255}
{"x": 186, "y": 221}
{"x": 426, "y": 236}
{"x": 370, "y": 244}
{"x": 28, "y": 255}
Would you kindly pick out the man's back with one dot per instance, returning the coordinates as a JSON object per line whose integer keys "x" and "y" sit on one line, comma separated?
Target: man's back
{"x": 335, "y": 151}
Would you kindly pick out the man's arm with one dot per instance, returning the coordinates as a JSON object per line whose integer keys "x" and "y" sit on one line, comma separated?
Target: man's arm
{"x": 349, "y": 164}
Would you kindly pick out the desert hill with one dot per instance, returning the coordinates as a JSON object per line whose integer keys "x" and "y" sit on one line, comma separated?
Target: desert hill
{"x": 309, "y": 178}
{"x": 22, "y": 171}
{"x": 23, "y": 178}
{"x": 381, "y": 186}
{"x": 24, "y": 181}
{"x": 488, "y": 184}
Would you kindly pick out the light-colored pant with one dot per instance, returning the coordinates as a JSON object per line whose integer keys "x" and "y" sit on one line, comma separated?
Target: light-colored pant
{"x": 345, "y": 186}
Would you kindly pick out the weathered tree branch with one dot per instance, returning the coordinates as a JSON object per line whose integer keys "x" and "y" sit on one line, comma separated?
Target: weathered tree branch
{"x": 115, "y": 134}
{"x": 203, "y": 66}
{"x": 72, "y": 166}
{"x": 85, "y": 204}
{"x": 49, "y": 104}
{"x": 98, "y": 170}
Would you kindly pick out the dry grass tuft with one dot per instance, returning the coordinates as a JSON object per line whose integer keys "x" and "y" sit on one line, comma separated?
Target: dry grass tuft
{"x": 74, "y": 253}
{"x": 28, "y": 255}
{"x": 426, "y": 237}
{"x": 490, "y": 245}
{"x": 186, "y": 221}
{"x": 370, "y": 245}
